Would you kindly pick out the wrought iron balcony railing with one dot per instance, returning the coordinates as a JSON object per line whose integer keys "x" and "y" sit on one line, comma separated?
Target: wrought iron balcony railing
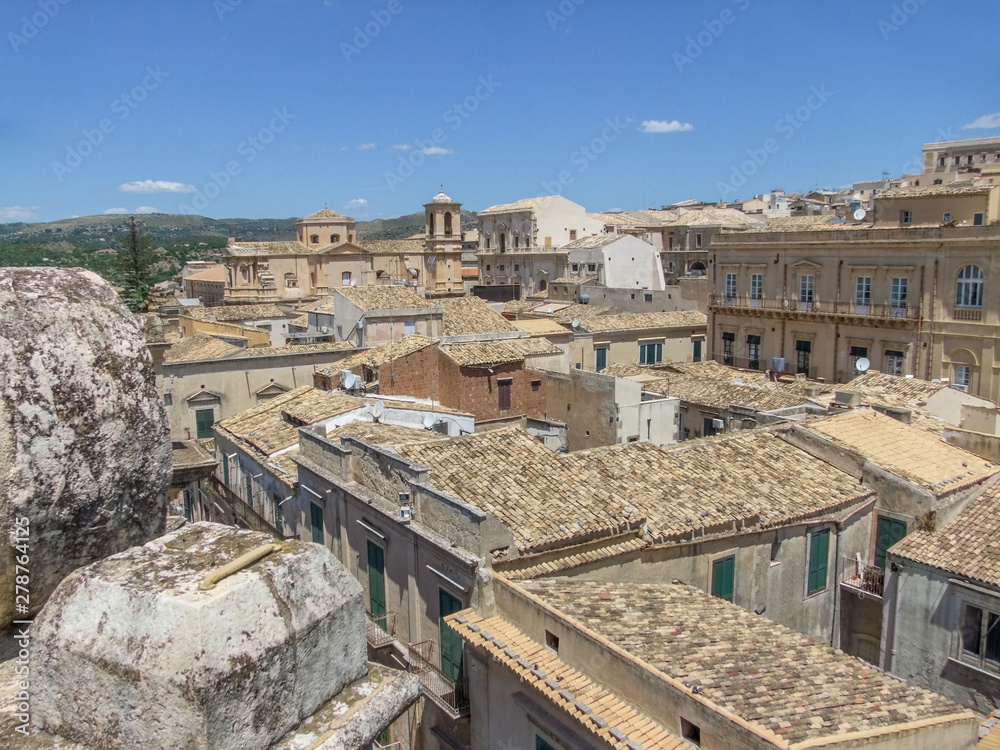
{"x": 866, "y": 310}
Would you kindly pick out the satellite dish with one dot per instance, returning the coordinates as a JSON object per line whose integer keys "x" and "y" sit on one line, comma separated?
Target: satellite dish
{"x": 429, "y": 420}
{"x": 862, "y": 364}
{"x": 860, "y": 214}
{"x": 348, "y": 380}
{"x": 354, "y": 282}
{"x": 378, "y": 409}
{"x": 576, "y": 322}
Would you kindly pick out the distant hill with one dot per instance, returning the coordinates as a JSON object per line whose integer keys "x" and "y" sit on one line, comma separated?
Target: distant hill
{"x": 94, "y": 232}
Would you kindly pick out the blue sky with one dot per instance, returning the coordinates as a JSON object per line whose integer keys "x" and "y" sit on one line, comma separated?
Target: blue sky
{"x": 273, "y": 108}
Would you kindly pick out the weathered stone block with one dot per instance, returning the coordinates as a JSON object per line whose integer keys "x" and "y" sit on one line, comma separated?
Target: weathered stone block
{"x": 84, "y": 440}
{"x": 131, "y": 653}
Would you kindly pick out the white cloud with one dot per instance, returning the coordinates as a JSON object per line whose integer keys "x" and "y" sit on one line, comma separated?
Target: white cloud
{"x": 147, "y": 210}
{"x": 156, "y": 186}
{"x": 357, "y": 203}
{"x": 366, "y": 146}
{"x": 19, "y": 213}
{"x": 436, "y": 151}
{"x": 664, "y": 126}
{"x": 115, "y": 211}
{"x": 403, "y": 146}
{"x": 986, "y": 122}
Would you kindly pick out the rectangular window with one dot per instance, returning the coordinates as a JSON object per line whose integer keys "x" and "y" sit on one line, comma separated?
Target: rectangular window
{"x": 979, "y": 642}
{"x": 204, "y": 419}
{"x": 409, "y": 327}
{"x": 857, "y": 353}
{"x": 895, "y": 361}
{"x": 536, "y": 385}
{"x": 946, "y": 217}
{"x": 697, "y": 240}
{"x": 863, "y": 292}
{"x": 517, "y": 267}
{"x": 803, "y": 350}
{"x": 963, "y": 374}
{"x": 977, "y": 220}
{"x": 888, "y": 531}
{"x": 592, "y": 267}
{"x": 376, "y": 583}
{"x": 650, "y": 354}
{"x": 451, "y": 642}
{"x": 753, "y": 347}
{"x": 819, "y": 552}
{"x": 905, "y": 217}
{"x": 576, "y": 267}
{"x": 168, "y": 399}
{"x": 756, "y": 286}
{"x": 728, "y": 346}
{"x": 647, "y": 297}
{"x": 600, "y": 358}
{"x": 730, "y": 285}
{"x": 225, "y": 470}
{"x": 806, "y": 291}
{"x": 897, "y": 294}
{"x": 316, "y": 523}
{"x": 572, "y": 234}
{"x": 503, "y": 390}
{"x": 723, "y": 577}
{"x": 696, "y": 353}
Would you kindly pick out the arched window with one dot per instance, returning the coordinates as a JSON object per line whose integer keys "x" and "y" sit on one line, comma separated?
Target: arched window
{"x": 517, "y": 241}
{"x": 345, "y": 278}
{"x": 290, "y": 281}
{"x": 350, "y": 238}
{"x": 334, "y": 238}
{"x": 447, "y": 224}
{"x": 969, "y": 292}
{"x": 245, "y": 274}
{"x": 487, "y": 241}
{"x": 430, "y": 224}
{"x": 543, "y": 285}
{"x": 314, "y": 239}
{"x": 503, "y": 242}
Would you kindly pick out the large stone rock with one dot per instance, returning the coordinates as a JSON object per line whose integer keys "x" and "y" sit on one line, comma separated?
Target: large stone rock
{"x": 84, "y": 440}
{"x": 134, "y": 652}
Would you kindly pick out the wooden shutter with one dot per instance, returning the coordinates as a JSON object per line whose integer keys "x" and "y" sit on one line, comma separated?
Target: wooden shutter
{"x": 204, "y": 419}
{"x": 376, "y": 581}
{"x": 451, "y": 642}
{"x": 316, "y": 517}
{"x": 503, "y": 389}
{"x": 889, "y": 531}
{"x": 819, "y": 549}
{"x": 723, "y": 574}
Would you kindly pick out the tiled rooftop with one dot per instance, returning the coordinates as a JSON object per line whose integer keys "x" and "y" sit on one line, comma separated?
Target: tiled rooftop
{"x": 643, "y": 321}
{"x": 593, "y": 241}
{"x": 393, "y": 247}
{"x": 540, "y": 327}
{"x": 721, "y": 394}
{"x": 215, "y": 273}
{"x": 232, "y": 313}
{"x": 521, "y": 205}
{"x": 198, "y": 347}
{"x": 379, "y": 355}
{"x": 388, "y": 297}
{"x": 592, "y": 708}
{"x": 326, "y": 213}
{"x": 762, "y": 672}
{"x": 390, "y": 436}
{"x": 717, "y": 217}
{"x": 291, "y": 247}
{"x": 969, "y": 545}
{"x": 498, "y": 352}
{"x": 269, "y": 351}
{"x": 933, "y": 191}
{"x": 464, "y": 315}
{"x": 907, "y": 451}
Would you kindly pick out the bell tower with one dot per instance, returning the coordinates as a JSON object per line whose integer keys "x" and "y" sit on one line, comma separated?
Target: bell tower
{"x": 443, "y": 245}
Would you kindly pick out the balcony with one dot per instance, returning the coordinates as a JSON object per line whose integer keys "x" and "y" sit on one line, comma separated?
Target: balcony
{"x": 381, "y": 630}
{"x": 971, "y": 314}
{"x": 450, "y": 696}
{"x": 817, "y": 307}
{"x": 864, "y": 578}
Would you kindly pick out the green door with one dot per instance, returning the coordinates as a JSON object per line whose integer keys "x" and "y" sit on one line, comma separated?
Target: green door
{"x": 600, "y": 359}
{"x": 316, "y": 514}
{"x": 819, "y": 552}
{"x": 696, "y": 357}
{"x": 204, "y": 419}
{"x": 889, "y": 531}
{"x": 723, "y": 574}
{"x": 376, "y": 582}
{"x": 451, "y": 642}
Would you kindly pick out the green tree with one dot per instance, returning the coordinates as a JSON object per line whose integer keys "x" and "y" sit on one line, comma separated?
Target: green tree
{"x": 133, "y": 269}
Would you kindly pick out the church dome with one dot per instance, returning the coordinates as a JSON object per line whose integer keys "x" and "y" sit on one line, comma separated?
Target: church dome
{"x": 442, "y": 198}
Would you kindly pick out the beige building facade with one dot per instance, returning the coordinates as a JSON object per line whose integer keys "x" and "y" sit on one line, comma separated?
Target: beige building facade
{"x": 919, "y": 301}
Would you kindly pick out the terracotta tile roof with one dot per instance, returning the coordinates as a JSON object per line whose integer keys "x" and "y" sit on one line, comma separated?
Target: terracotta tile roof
{"x": 293, "y": 247}
{"x": 541, "y": 327}
{"x": 548, "y": 499}
{"x": 393, "y": 247}
{"x": 300, "y": 322}
{"x": 464, "y": 315}
{"x": 762, "y": 672}
{"x": 326, "y": 213}
{"x": 387, "y": 297}
{"x": 267, "y": 351}
{"x": 644, "y": 321}
{"x": 379, "y": 355}
{"x": 517, "y": 305}
{"x": 717, "y": 217}
{"x": 497, "y": 352}
{"x": 912, "y": 390}
{"x": 593, "y": 241}
{"x": 567, "y": 558}
{"x": 720, "y": 394}
{"x": 968, "y": 545}
{"x": 613, "y": 219}
{"x": 934, "y": 191}
{"x": 198, "y": 347}
{"x": 231, "y": 313}
{"x": 215, "y": 273}
{"x": 390, "y": 436}
{"x": 589, "y": 705}
{"x": 907, "y": 451}
{"x": 273, "y": 425}
{"x": 521, "y": 205}
{"x": 470, "y": 273}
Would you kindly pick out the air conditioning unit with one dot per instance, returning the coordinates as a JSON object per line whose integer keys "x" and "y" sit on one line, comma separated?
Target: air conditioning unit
{"x": 778, "y": 364}
{"x": 324, "y": 329}
{"x": 405, "y": 513}
{"x": 718, "y": 424}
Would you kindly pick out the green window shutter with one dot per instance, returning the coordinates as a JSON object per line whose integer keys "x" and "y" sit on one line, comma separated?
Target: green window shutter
{"x": 376, "y": 580}
{"x": 204, "y": 419}
{"x": 316, "y": 518}
{"x": 723, "y": 576}
{"x": 541, "y": 744}
{"x": 819, "y": 549}
{"x": 451, "y": 642}
{"x": 225, "y": 469}
{"x": 601, "y": 359}
{"x": 888, "y": 532}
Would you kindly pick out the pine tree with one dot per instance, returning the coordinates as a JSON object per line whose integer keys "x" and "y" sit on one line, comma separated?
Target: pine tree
{"x": 133, "y": 269}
